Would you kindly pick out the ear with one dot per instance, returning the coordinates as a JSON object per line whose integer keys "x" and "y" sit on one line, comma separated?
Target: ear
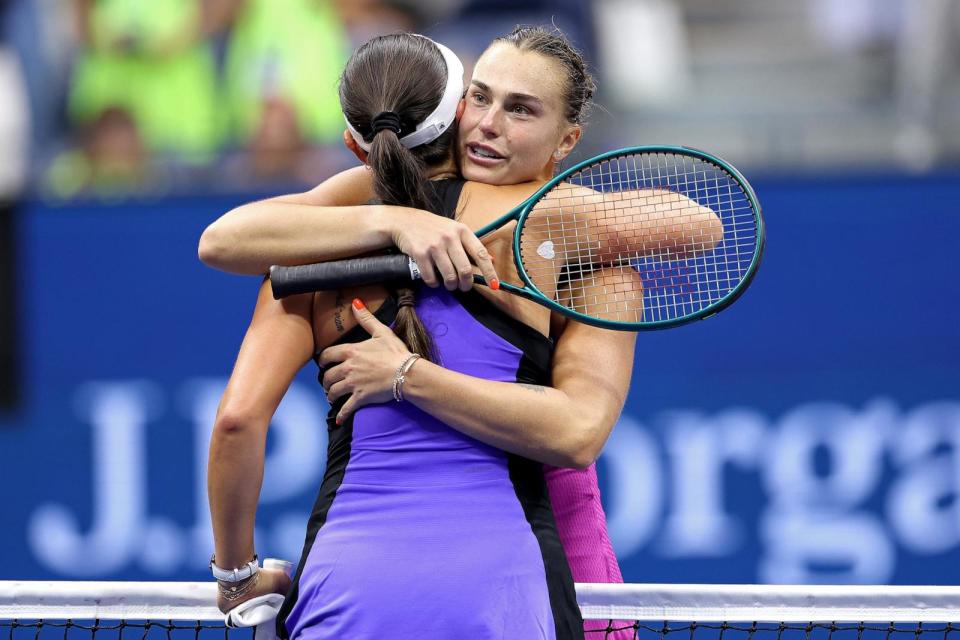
{"x": 569, "y": 140}
{"x": 354, "y": 147}
{"x": 461, "y": 107}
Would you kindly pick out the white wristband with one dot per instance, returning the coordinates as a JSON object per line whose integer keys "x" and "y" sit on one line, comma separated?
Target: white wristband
{"x": 235, "y": 575}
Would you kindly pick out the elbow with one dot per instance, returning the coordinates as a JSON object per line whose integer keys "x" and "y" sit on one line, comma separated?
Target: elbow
{"x": 233, "y": 424}
{"x": 712, "y": 230}
{"x": 702, "y": 232}
{"x": 580, "y": 460}
{"x": 209, "y": 250}
{"x": 587, "y": 455}
{"x": 219, "y": 244}
{"x": 583, "y": 450}
{"x": 211, "y": 247}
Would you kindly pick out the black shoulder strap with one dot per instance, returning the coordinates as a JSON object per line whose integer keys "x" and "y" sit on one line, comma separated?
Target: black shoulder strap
{"x": 447, "y": 193}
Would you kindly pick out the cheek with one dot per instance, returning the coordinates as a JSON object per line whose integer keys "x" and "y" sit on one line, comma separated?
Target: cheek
{"x": 468, "y": 121}
{"x": 533, "y": 148}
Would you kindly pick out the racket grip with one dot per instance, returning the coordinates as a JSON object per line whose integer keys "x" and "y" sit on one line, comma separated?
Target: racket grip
{"x": 324, "y": 276}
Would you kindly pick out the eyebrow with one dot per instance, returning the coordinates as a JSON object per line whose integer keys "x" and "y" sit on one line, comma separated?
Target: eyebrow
{"x": 515, "y": 96}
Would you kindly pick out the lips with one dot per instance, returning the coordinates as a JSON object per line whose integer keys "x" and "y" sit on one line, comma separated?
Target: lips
{"x": 483, "y": 155}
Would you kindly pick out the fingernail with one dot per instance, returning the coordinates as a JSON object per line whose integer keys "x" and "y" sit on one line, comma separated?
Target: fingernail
{"x": 358, "y": 304}
{"x": 495, "y": 284}
{"x": 339, "y": 421}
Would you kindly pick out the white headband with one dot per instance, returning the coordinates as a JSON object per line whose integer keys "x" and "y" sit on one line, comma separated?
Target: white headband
{"x": 442, "y": 117}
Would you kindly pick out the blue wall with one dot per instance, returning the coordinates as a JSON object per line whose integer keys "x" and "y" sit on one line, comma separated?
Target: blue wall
{"x": 809, "y": 434}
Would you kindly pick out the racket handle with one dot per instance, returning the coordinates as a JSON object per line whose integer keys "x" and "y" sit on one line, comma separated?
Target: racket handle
{"x": 324, "y": 276}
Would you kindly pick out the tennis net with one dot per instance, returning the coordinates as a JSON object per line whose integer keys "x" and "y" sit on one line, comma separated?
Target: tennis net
{"x": 184, "y": 610}
{"x": 104, "y": 610}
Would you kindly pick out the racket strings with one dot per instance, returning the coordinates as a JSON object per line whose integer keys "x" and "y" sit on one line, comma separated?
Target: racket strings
{"x": 641, "y": 238}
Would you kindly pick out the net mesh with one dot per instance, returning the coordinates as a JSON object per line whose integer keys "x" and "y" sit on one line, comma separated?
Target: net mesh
{"x": 181, "y": 611}
{"x": 765, "y": 631}
{"x": 112, "y": 611}
{"x": 642, "y": 238}
{"x": 119, "y": 629}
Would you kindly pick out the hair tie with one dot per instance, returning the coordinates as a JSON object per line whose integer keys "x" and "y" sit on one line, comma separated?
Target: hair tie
{"x": 385, "y": 120}
{"x": 435, "y": 124}
{"x": 406, "y": 298}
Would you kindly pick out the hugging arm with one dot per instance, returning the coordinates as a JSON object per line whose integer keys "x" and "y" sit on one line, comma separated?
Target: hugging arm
{"x": 335, "y": 221}
{"x": 278, "y": 343}
{"x": 633, "y": 222}
{"x": 322, "y": 224}
{"x": 565, "y": 424}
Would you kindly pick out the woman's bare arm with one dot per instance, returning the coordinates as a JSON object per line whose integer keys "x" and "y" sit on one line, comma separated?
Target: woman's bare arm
{"x": 634, "y": 222}
{"x": 322, "y": 224}
{"x": 278, "y": 343}
{"x": 334, "y": 221}
{"x": 565, "y": 424}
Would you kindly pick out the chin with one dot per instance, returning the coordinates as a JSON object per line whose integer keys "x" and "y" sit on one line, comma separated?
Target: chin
{"x": 475, "y": 173}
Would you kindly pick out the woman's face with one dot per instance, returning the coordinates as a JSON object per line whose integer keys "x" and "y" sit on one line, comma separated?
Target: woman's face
{"x": 513, "y": 127}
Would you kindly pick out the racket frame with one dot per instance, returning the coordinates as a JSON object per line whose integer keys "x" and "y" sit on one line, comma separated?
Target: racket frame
{"x": 530, "y": 291}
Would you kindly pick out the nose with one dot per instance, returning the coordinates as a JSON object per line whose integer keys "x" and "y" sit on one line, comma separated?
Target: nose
{"x": 490, "y": 123}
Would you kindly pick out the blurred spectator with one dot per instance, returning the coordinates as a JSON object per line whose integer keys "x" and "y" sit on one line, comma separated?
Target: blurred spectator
{"x": 145, "y": 83}
{"x": 850, "y": 25}
{"x": 14, "y": 132}
{"x": 923, "y": 35}
{"x": 573, "y": 17}
{"x": 366, "y": 19}
{"x": 279, "y": 157}
{"x": 150, "y": 58}
{"x": 14, "y": 120}
{"x": 41, "y": 33}
{"x": 291, "y": 51}
{"x": 111, "y": 161}
{"x": 653, "y": 31}
{"x": 283, "y": 62}
{"x": 277, "y": 146}
{"x": 478, "y": 22}
{"x": 926, "y": 60}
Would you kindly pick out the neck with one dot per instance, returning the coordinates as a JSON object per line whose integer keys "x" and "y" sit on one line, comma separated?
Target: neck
{"x": 446, "y": 169}
{"x": 549, "y": 170}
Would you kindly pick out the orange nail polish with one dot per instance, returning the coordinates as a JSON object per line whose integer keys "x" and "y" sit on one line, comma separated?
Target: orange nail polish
{"x": 358, "y": 304}
{"x": 339, "y": 421}
{"x": 495, "y": 284}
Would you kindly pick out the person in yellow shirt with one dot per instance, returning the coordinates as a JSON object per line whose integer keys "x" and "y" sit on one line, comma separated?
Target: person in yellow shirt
{"x": 152, "y": 60}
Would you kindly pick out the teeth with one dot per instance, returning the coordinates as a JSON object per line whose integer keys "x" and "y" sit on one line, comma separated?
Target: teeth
{"x": 483, "y": 153}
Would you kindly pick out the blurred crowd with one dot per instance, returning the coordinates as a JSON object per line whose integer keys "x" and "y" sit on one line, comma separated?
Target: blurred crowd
{"x": 112, "y": 98}
{"x": 118, "y": 98}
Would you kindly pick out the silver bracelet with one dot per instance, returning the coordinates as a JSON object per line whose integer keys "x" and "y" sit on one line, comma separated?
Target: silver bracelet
{"x": 233, "y": 590}
{"x": 399, "y": 377}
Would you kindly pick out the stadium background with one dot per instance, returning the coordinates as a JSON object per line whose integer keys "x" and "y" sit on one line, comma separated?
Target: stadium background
{"x": 809, "y": 434}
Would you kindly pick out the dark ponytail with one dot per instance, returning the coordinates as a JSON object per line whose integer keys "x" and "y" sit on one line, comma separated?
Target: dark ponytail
{"x": 398, "y": 175}
{"x": 390, "y": 85}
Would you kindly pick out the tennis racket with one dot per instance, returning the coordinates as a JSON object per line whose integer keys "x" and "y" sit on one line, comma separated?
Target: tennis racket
{"x": 634, "y": 239}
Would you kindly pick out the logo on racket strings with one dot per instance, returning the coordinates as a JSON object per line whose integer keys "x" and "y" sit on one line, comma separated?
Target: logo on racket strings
{"x": 546, "y": 250}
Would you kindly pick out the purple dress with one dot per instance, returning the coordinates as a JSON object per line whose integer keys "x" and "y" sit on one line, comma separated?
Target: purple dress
{"x": 420, "y": 531}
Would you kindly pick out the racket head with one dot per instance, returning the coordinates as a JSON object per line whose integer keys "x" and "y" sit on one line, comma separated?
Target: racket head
{"x": 677, "y": 284}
